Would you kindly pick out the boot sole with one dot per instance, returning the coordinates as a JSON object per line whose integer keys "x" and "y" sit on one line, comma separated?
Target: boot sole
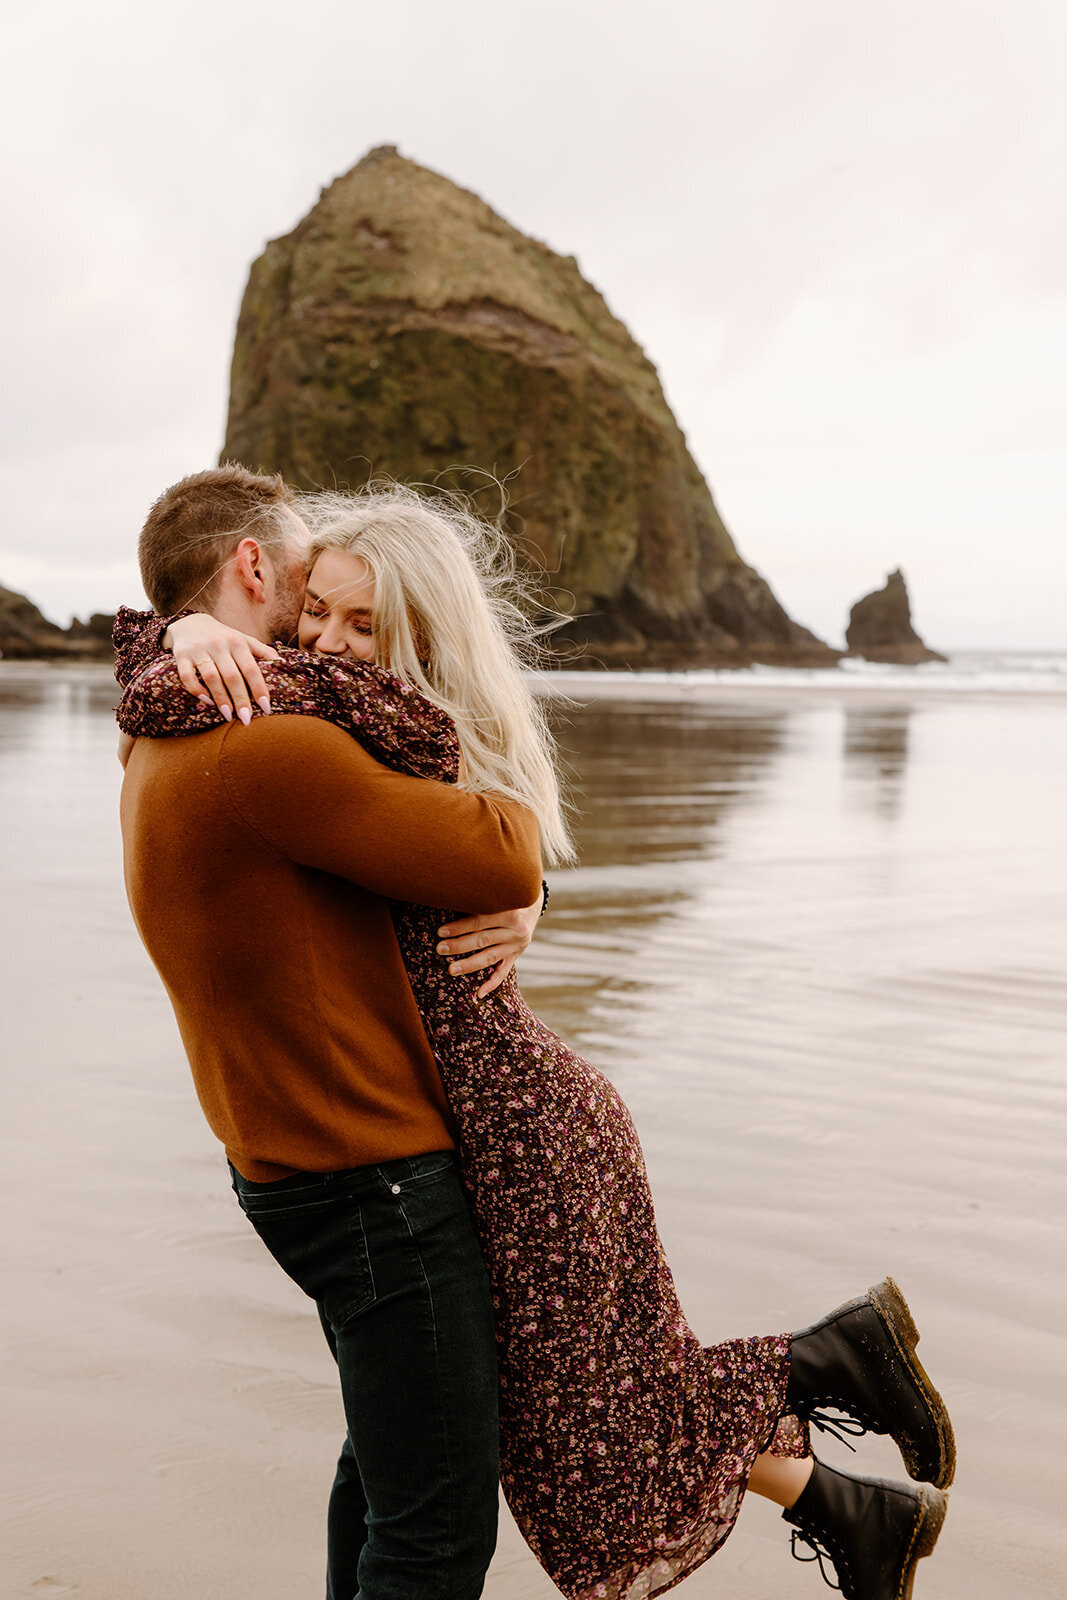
{"x": 900, "y": 1325}
{"x": 932, "y": 1510}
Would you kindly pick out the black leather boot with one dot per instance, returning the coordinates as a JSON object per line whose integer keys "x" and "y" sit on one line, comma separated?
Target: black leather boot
{"x": 861, "y": 1360}
{"x": 873, "y": 1531}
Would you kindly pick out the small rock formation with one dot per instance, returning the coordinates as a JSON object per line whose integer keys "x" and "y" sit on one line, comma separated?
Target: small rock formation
{"x": 879, "y": 627}
{"x": 26, "y": 635}
{"x": 94, "y": 634}
{"x": 404, "y": 329}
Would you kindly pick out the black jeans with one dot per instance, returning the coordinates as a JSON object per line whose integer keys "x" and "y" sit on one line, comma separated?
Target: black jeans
{"x": 390, "y": 1256}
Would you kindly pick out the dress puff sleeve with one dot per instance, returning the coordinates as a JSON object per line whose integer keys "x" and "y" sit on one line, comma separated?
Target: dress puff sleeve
{"x": 138, "y": 640}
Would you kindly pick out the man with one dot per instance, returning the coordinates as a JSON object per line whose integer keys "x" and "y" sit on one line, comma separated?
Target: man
{"x": 259, "y": 861}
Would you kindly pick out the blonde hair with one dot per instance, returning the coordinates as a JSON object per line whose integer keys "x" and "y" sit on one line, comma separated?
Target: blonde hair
{"x": 452, "y": 617}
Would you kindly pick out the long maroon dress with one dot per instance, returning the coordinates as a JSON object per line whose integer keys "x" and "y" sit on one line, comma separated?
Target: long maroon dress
{"x": 625, "y": 1445}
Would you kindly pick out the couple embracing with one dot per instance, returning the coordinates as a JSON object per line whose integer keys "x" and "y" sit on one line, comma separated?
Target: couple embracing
{"x": 325, "y": 847}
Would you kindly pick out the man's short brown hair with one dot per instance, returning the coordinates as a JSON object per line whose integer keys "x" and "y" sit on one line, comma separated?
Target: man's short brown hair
{"x": 196, "y": 525}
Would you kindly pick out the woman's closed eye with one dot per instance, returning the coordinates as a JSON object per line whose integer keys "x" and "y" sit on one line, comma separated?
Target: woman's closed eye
{"x": 358, "y": 623}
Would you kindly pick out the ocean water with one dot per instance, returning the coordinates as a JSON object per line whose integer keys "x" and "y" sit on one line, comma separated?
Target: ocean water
{"x": 816, "y": 935}
{"x": 965, "y": 672}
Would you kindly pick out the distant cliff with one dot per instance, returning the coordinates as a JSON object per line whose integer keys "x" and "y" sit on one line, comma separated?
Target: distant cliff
{"x": 403, "y": 328}
{"x": 880, "y": 627}
{"x": 26, "y": 635}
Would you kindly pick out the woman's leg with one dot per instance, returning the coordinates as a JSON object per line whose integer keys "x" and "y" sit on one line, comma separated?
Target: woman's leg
{"x": 861, "y": 1360}
{"x": 782, "y": 1479}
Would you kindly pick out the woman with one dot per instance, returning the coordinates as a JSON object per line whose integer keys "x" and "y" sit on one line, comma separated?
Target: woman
{"x": 625, "y": 1446}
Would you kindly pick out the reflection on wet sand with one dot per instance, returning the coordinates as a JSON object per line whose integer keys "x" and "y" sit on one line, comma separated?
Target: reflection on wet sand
{"x": 42, "y": 708}
{"x": 653, "y": 787}
{"x": 654, "y": 783}
{"x": 876, "y": 757}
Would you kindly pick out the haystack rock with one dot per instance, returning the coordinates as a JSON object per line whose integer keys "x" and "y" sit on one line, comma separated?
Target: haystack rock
{"x": 404, "y": 329}
{"x": 880, "y": 629}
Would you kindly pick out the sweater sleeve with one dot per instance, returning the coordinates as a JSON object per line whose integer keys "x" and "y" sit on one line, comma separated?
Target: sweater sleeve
{"x": 321, "y": 800}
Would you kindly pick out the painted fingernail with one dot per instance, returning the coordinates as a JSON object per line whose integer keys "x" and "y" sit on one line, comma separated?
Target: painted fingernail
{"x": 245, "y": 715}
{"x": 454, "y": 967}
{"x": 227, "y": 712}
{"x": 442, "y": 949}
{"x": 443, "y": 933}
{"x": 205, "y": 699}
{"x": 264, "y": 703}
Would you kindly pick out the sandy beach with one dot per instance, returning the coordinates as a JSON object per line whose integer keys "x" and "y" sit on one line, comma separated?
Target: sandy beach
{"x": 816, "y": 939}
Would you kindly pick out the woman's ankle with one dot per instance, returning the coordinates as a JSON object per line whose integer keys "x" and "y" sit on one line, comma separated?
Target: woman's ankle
{"x": 782, "y": 1479}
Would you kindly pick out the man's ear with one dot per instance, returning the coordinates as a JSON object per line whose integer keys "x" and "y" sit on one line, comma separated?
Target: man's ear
{"x": 247, "y": 568}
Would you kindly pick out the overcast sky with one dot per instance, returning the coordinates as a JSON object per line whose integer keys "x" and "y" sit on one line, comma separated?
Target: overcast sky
{"x": 838, "y": 228}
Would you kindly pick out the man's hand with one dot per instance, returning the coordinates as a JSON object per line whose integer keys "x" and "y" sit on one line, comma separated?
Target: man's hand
{"x": 494, "y": 941}
{"x": 221, "y": 661}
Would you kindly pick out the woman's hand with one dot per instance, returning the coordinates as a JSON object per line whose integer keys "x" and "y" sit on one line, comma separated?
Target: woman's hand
{"x": 221, "y": 661}
{"x": 493, "y": 941}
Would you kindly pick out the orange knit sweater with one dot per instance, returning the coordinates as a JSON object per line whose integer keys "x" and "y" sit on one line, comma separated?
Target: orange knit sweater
{"x": 258, "y": 861}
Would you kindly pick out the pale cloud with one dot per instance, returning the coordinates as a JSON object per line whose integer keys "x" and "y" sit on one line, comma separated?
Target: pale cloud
{"x": 839, "y": 231}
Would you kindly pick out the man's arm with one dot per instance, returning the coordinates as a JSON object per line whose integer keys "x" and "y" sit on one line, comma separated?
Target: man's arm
{"x": 317, "y": 796}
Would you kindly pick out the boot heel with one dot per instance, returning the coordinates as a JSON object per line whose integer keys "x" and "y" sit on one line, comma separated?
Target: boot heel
{"x": 935, "y": 1504}
{"x": 895, "y": 1310}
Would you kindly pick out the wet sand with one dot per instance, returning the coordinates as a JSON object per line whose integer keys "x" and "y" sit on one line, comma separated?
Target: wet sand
{"x": 817, "y": 939}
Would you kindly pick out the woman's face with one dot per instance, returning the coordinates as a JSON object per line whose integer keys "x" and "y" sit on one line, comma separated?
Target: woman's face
{"x": 338, "y": 614}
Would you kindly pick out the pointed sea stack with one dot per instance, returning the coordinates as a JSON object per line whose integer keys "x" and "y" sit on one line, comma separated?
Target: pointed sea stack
{"x": 404, "y": 329}
{"x": 880, "y": 628}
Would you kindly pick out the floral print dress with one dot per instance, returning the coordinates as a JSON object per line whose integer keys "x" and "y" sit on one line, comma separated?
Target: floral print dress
{"x": 625, "y": 1445}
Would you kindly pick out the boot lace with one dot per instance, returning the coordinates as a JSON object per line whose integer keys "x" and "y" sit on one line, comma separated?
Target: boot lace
{"x": 837, "y": 1428}
{"x": 818, "y": 1553}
